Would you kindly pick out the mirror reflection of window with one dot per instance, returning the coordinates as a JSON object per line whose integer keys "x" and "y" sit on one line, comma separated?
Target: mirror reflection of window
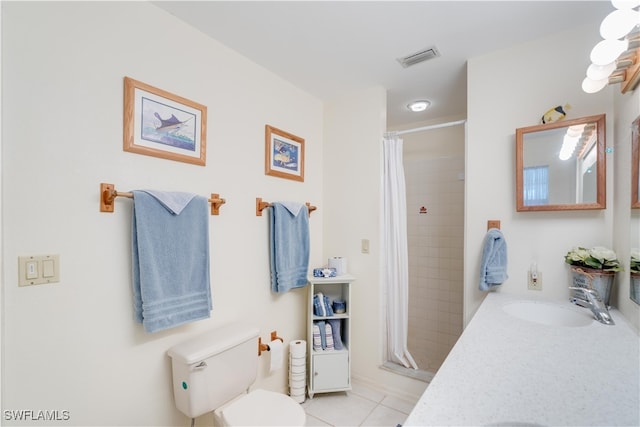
{"x": 536, "y": 185}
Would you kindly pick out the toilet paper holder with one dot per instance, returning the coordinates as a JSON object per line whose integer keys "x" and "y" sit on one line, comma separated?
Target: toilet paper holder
{"x": 265, "y": 347}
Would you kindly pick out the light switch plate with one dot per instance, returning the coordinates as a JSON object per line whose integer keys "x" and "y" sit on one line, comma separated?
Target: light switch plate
{"x": 38, "y": 269}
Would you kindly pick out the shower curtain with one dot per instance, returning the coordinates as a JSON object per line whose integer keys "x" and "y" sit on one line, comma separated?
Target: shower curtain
{"x": 396, "y": 259}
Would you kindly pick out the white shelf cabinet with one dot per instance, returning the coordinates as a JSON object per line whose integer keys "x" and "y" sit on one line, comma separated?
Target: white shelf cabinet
{"x": 330, "y": 370}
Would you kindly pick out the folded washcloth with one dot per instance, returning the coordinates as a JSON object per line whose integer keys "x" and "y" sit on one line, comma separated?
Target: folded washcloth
{"x": 170, "y": 259}
{"x": 327, "y": 306}
{"x": 329, "y": 336}
{"x": 293, "y": 207}
{"x": 289, "y": 246}
{"x": 317, "y": 342}
{"x": 173, "y": 201}
{"x": 319, "y": 307}
{"x": 335, "y": 333}
{"x": 493, "y": 267}
{"x": 322, "y": 305}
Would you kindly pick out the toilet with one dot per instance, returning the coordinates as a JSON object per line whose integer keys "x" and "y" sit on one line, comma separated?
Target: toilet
{"x": 213, "y": 372}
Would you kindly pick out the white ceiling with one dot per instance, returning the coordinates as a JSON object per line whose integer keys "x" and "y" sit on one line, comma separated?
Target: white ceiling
{"x": 332, "y": 47}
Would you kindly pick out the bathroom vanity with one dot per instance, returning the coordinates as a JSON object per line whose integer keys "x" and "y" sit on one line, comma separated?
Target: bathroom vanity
{"x": 536, "y": 362}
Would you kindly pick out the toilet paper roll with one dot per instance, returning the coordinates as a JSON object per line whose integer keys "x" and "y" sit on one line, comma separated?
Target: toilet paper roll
{"x": 276, "y": 351}
{"x": 295, "y": 378}
{"x": 339, "y": 263}
{"x": 297, "y": 361}
{"x": 298, "y": 349}
{"x": 300, "y": 369}
{"x": 298, "y": 397}
{"x": 301, "y": 381}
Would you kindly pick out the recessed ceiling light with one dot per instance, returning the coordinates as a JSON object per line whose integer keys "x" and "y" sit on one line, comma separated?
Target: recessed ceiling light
{"x": 418, "y": 106}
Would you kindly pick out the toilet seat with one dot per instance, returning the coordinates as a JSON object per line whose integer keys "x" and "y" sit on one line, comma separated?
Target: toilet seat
{"x": 262, "y": 408}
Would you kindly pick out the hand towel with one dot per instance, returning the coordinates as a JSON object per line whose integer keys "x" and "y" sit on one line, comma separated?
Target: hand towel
{"x": 317, "y": 343}
{"x": 319, "y": 307}
{"x": 289, "y": 246}
{"x": 493, "y": 267}
{"x": 170, "y": 259}
{"x": 335, "y": 333}
{"x": 323, "y": 333}
{"x": 329, "y": 336}
{"x": 327, "y": 306}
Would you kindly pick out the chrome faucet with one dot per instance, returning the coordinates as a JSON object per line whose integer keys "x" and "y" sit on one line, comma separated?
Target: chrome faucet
{"x": 595, "y": 303}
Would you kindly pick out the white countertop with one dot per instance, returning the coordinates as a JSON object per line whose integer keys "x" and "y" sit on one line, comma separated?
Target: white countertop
{"x": 507, "y": 371}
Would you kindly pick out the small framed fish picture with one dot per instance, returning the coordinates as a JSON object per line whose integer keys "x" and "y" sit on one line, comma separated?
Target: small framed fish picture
{"x": 284, "y": 154}
{"x": 160, "y": 124}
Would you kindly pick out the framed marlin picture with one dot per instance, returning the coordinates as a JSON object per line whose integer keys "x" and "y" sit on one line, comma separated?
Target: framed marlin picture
{"x": 284, "y": 154}
{"x": 160, "y": 124}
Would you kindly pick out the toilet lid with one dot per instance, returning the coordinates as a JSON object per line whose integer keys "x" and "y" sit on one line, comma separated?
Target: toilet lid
{"x": 264, "y": 408}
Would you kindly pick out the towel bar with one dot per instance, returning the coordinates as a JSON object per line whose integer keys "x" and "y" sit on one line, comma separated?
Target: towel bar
{"x": 108, "y": 194}
{"x": 260, "y": 206}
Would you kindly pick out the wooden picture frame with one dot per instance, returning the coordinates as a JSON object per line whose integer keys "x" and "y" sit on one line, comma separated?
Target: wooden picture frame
{"x": 284, "y": 154}
{"x": 160, "y": 124}
{"x": 635, "y": 164}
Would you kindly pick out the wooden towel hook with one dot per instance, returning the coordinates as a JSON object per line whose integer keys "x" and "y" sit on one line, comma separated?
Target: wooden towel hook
{"x": 493, "y": 223}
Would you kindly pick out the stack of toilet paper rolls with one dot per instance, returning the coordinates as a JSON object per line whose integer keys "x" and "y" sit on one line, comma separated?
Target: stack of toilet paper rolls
{"x": 297, "y": 370}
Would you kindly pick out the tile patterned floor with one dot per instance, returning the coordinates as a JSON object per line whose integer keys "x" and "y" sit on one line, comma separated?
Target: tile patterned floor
{"x": 361, "y": 406}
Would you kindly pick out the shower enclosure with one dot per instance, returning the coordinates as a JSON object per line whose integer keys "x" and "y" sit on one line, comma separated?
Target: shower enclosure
{"x": 434, "y": 175}
{"x": 435, "y": 224}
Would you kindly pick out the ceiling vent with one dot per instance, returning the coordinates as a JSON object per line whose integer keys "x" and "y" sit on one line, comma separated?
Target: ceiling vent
{"x": 420, "y": 56}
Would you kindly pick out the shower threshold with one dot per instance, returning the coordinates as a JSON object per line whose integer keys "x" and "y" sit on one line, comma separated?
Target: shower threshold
{"x": 417, "y": 374}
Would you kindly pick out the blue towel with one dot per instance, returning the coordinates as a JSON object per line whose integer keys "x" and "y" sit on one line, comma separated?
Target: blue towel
{"x": 323, "y": 333}
{"x": 493, "y": 268}
{"x": 289, "y": 246}
{"x": 329, "y": 336}
{"x": 322, "y": 305}
{"x": 170, "y": 257}
{"x": 317, "y": 343}
{"x": 319, "y": 308}
{"x": 335, "y": 332}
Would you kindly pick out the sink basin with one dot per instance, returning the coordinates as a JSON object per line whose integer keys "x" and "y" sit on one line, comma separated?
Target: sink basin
{"x": 513, "y": 424}
{"x": 550, "y": 314}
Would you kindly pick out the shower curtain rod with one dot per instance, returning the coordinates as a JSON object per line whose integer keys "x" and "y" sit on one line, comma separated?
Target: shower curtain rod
{"x": 441, "y": 125}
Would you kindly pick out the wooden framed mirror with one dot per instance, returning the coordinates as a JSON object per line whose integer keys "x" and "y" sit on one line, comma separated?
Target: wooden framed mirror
{"x": 635, "y": 163}
{"x": 561, "y": 165}
{"x": 634, "y": 218}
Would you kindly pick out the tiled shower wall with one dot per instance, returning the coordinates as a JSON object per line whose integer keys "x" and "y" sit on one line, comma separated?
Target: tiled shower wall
{"x": 435, "y": 241}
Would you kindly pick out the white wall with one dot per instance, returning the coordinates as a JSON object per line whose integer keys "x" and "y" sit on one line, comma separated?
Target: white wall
{"x": 74, "y": 345}
{"x": 354, "y": 125}
{"x": 509, "y": 89}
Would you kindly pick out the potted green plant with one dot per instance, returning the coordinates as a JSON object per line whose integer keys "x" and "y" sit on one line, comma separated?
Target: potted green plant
{"x": 593, "y": 268}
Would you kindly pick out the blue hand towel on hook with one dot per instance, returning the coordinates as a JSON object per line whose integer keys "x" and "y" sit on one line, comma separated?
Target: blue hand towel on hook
{"x": 493, "y": 268}
{"x": 170, "y": 257}
{"x": 289, "y": 246}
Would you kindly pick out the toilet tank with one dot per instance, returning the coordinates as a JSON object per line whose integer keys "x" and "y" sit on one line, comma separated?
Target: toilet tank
{"x": 213, "y": 368}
